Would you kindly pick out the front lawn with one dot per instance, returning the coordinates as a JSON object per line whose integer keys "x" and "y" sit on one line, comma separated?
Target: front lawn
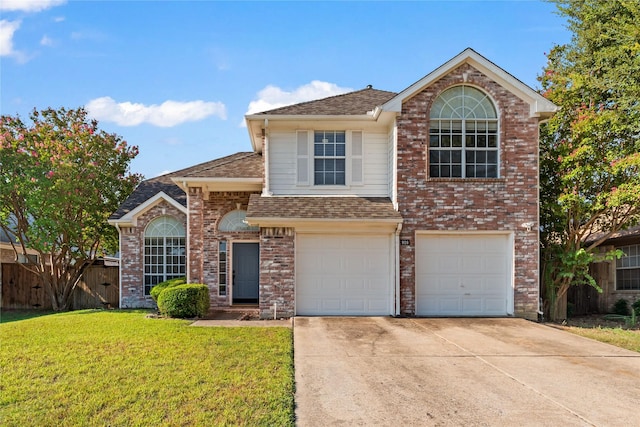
{"x": 625, "y": 338}
{"x": 117, "y": 368}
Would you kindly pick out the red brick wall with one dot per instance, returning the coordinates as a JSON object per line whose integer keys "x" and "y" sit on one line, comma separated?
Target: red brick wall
{"x": 277, "y": 272}
{"x": 204, "y": 237}
{"x": 471, "y": 204}
{"x": 132, "y": 256}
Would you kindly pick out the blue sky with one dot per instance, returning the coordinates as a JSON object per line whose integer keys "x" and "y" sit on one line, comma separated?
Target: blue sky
{"x": 177, "y": 78}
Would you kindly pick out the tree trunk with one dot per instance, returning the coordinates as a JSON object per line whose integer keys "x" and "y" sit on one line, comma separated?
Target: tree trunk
{"x": 558, "y": 309}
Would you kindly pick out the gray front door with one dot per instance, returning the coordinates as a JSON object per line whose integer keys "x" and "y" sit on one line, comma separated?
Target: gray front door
{"x": 246, "y": 272}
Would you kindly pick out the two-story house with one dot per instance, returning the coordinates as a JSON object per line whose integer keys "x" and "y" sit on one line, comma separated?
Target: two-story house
{"x": 423, "y": 202}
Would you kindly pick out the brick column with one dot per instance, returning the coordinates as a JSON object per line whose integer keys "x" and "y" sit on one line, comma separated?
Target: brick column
{"x": 277, "y": 272}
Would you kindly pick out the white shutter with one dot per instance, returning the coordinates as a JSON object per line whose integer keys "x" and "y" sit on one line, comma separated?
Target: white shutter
{"x": 303, "y": 157}
{"x": 356, "y": 158}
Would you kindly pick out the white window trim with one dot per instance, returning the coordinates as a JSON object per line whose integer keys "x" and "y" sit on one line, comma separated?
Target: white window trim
{"x": 179, "y": 233}
{"x": 349, "y": 158}
{"x": 498, "y": 134}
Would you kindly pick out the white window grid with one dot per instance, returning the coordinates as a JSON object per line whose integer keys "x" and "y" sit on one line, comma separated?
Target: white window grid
{"x": 329, "y": 157}
{"x": 628, "y": 268}
{"x": 222, "y": 268}
{"x": 164, "y": 252}
{"x": 463, "y": 135}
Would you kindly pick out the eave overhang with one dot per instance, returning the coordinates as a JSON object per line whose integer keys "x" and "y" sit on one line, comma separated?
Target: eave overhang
{"x": 257, "y": 123}
{"x": 219, "y": 184}
{"x": 540, "y": 107}
{"x": 328, "y": 225}
{"x": 130, "y": 219}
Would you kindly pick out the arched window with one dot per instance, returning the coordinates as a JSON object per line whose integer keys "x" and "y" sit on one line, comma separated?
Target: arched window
{"x": 164, "y": 251}
{"x": 235, "y": 221}
{"x": 463, "y": 135}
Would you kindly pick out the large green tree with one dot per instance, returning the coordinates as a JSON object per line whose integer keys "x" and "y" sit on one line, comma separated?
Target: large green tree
{"x": 590, "y": 150}
{"x": 60, "y": 179}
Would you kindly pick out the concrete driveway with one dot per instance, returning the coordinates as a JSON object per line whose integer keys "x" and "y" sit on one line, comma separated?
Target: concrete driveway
{"x": 471, "y": 372}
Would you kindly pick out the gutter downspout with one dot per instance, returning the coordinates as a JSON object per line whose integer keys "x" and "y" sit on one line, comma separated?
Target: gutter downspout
{"x": 397, "y": 272}
{"x": 188, "y": 233}
{"x": 265, "y": 152}
{"x": 119, "y": 265}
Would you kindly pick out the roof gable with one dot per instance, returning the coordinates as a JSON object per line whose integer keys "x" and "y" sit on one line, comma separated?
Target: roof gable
{"x": 131, "y": 217}
{"x": 239, "y": 166}
{"x": 539, "y": 105}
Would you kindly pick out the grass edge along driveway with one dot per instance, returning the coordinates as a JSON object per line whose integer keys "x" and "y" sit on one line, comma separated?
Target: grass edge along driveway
{"x": 96, "y": 367}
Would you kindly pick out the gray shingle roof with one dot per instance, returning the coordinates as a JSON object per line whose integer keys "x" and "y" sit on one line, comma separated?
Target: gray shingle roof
{"x": 352, "y": 103}
{"x": 238, "y": 165}
{"x": 349, "y": 208}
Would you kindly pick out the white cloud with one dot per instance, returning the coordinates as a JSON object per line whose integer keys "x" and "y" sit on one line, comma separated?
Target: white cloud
{"x": 46, "y": 41}
{"x": 167, "y": 114}
{"x": 7, "y": 28}
{"x": 274, "y": 97}
{"x": 29, "y": 5}
{"x": 59, "y": 19}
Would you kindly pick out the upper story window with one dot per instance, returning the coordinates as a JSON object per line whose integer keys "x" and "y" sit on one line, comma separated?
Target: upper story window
{"x": 329, "y": 157}
{"x": 628, "y": 269}
{"x": 463, "y": 135}
{"x": 164, "y": 251}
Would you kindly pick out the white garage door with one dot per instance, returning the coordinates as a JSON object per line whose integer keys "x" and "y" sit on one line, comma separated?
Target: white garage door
{"x": 464, "y": 275}
{"x": 343, "y": 275}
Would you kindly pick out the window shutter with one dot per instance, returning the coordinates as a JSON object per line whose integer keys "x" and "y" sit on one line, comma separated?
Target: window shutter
{"x": 356, "y": 158}
{"x": 302, "y": 157}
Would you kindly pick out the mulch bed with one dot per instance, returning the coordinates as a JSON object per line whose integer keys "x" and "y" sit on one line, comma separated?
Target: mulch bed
{"x": 599, "y": 321}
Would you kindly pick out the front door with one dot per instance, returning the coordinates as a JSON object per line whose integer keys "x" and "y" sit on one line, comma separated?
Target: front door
{"x": 246, "y": 272}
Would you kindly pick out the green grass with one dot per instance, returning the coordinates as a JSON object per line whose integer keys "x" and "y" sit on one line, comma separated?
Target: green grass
{"x": 625, "y": 338}
{"x": 120, "y": 368}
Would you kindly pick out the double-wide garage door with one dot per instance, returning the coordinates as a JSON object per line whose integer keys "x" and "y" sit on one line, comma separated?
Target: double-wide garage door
{"x": 344, "y": 274}
{"x": 464, "y": 275}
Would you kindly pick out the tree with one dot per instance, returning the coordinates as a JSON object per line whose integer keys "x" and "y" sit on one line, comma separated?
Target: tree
{"x": 590, "y": 150}
{"x": 60, "y": 179}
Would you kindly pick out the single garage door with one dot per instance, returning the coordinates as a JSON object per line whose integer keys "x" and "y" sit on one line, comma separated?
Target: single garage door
{"x": 343, "y": 275}
{"x": 464, "y": 275}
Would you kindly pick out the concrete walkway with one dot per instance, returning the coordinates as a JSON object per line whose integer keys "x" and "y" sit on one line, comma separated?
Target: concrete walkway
{"x": 452, "y": 372}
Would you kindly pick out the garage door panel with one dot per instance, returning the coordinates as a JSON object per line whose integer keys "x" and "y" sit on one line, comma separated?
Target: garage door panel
{"x": 353, "y": 272}
{"x": 463, "y": 275}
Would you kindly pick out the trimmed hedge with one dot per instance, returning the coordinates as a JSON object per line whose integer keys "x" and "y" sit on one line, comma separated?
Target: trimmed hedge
{"x": 185, "y": 301}
{"x": 155, "y": 291}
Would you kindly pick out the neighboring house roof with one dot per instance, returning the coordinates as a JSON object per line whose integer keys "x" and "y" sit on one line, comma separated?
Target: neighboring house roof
{"x": 238, "y": 165}
{"x": 617, "y": 237}
{"x": 322, "y": 208}
{"x": 359, "y": 102}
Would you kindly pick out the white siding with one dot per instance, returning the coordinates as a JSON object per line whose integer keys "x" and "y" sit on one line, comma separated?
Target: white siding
{"x": 391, "y": 165}
{"x": 283, "y": 167}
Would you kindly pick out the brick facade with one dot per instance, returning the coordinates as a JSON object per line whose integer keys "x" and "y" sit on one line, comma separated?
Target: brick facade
{"x": 277, "y": 272}
{"x": 132, "y": 256}
{"x": 501, "y": 204}
{"x": 205, "y": 214}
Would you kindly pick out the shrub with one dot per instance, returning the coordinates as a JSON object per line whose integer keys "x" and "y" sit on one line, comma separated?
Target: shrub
{"x": 155, "y": 291}
{"x": 621, "y": 307}
{"x": 636, "y": 307}
{"x": 184, "y": 301}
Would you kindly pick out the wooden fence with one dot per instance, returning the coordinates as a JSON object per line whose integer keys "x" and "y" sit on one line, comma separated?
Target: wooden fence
{"x": 21, "y": 289}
